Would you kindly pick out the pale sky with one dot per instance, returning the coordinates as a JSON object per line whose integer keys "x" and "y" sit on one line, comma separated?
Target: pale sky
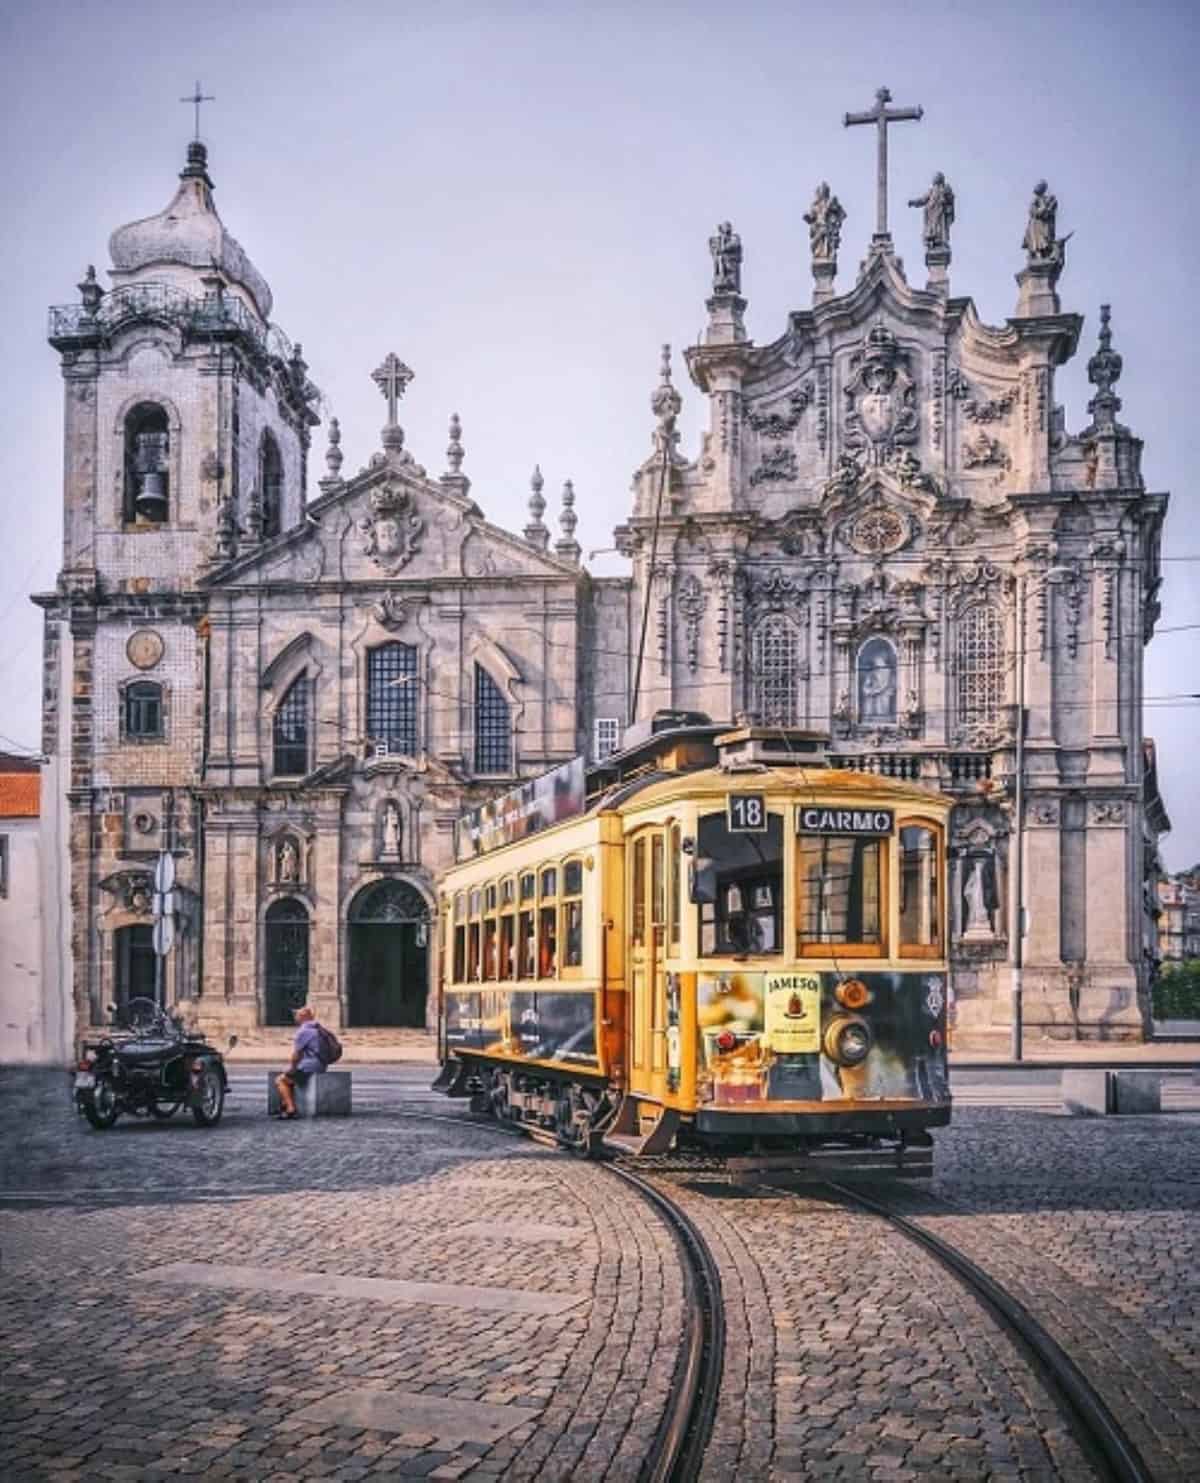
{"x": 517, "y": 198}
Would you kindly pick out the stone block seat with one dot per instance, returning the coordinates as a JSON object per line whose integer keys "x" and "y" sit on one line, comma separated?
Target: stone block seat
{"x": 1094, "y": 1092}
{"x": 325, "y": 1094}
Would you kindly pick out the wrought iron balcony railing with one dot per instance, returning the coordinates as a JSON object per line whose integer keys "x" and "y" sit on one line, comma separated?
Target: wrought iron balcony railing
{"x": 166, "y": 303}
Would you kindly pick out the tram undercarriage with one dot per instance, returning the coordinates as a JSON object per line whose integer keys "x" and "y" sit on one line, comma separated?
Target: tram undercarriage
{"x": 595, "y": 1120}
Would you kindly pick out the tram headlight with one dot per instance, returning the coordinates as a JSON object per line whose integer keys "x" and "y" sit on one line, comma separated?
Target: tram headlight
{"x": 852, "y": 993}
{"x": 848, "y": 1040}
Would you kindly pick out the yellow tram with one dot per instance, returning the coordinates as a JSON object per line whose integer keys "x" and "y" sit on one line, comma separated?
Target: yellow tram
{"x": 712, "y": 936}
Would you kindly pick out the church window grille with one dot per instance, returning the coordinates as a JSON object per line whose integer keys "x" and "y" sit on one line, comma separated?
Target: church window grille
{"x": 270, "y": 484}
{"x": 287, "y": 961}
{"x": 980, "y": 666}
{"x": 392, "y": 699}
{"x": 493, "y": 728}
{"x": 147, "y": 465}
{"x": 774, "y": 672}
{"x": 290, "y": 732}
{"x": 143, "y": 711}
{"x": 607, "y": 737}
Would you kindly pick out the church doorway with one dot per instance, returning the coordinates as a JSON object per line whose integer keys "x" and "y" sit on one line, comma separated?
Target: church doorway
{"x": 287, "y": 961}
{"x": 389, "y": 956}
{"x": 134, "y": 953}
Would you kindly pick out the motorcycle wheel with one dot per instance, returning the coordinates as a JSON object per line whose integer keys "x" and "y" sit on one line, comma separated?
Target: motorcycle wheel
{"x": 212, "y": 1099}
{"x": 163, "y": 1110}
{"x": 101, "y": 1108}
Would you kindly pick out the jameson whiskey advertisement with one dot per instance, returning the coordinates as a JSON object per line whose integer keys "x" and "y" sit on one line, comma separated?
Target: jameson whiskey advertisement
{"x": 792, "y": 1013}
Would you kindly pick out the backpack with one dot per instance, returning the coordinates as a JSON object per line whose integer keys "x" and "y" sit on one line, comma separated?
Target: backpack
{"x": 329, "y": 1047}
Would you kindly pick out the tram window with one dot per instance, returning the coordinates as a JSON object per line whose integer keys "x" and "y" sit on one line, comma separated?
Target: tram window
{"x": 460, "y": 953}
{"x": 526, "y": 945}
{"x": 549, "y": 883}
{"x": 738, "y": 885}
{"x": 460, "y": 907}
{"x": 508, "y": 963}
{"x": 548, "y": 942}
{"x": 637, "y": 915}
{"x": 840, "y": 894}
{"x": 476, "y": 901}
{"x": 674, "y": 889}
{"x": 472, "y": 952}
{"x": 507, "y": 891}
{"x": 572, "y": 915}
{"x": 658, "y": 882}
{"x": 489, "y": 948}
{"x": 528, "y": 886}
{"x": 920, "y": 905}
{"x": 489, "y": 898}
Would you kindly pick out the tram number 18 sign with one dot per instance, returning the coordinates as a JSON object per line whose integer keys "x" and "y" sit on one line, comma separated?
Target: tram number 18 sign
{"x": 747, "y": 813}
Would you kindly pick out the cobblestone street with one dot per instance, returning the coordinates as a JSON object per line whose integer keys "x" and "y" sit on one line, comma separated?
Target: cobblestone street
{"x": 392, "y": 1296}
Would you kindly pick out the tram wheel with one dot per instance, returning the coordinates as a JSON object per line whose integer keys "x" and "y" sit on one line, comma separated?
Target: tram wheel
{"x": 497, "y": 1095}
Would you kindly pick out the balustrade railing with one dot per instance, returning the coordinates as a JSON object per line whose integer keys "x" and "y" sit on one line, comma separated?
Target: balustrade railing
{"x": 162, "y": 301}
{"x": 949, "y": 770}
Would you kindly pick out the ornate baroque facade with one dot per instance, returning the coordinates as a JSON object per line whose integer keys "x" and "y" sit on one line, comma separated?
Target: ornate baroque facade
{"x": 888, "y": 533}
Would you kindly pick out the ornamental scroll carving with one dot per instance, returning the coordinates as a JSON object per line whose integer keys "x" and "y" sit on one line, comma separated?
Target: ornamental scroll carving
{"x": 777, "y": 424}
{"x": 691, "y": 603}
{"x": 877, "y": 531}
{"x": 1110, "y": 811}
{"x": 976, "y": 408}
{"x": 778, "y": 467}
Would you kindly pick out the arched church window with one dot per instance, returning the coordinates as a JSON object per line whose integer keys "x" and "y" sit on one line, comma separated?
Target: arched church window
{"x": 143, "y": 711}
{"x": 980, "y": 655}
{"x": 270, "y": 483}
{"x": 392, "y": 698}
{"x": 493, "y": 726}
{"x": 876, "y": 670}
{"x": 147, "y": 474}
{"x": 774, "y": 672}
{"x": 290, "y": 730}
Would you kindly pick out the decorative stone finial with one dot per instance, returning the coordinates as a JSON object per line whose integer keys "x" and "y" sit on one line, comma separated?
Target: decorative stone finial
{"x": 567, "y": 546}
{"x": 666, "y": 404}
{"x": 90, "y": 292}
{"x": 197, "y": 164}
{"x": 535, "y": 532}
{"x": 1104, "y": 371}
{"x": 454, "y": 479}
{"x": 226, "y": 531}
{"x": 824, "y": 217}
{"x": 298, "y": 368}
{"x": 254, "y": 517}
{"x": 333, "y": 457}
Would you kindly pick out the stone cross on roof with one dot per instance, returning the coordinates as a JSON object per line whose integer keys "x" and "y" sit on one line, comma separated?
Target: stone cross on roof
{"x": 881, "y": 115}
{"x": 391, "y": 378}
{"x": 195, "y": 100}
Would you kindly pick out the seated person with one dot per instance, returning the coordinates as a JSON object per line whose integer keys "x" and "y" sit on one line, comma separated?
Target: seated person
{"x": 306, "y": 1060}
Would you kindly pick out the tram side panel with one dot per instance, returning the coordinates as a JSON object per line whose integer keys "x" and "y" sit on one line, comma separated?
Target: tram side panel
{"x": 558, "y": 1023}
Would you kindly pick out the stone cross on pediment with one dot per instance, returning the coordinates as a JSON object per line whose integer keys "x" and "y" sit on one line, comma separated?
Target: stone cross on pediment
{"x": 881, "y": 115}
{"x": 391, "y": 378}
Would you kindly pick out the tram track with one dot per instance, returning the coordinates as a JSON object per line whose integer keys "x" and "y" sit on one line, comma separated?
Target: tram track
{"x": 1096, "y": 1429}
{"x": 688, "y": 1420}
{"x": 677, "y": 1451}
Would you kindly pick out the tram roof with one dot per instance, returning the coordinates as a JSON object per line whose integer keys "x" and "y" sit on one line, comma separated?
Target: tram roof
{"x": 819, "y": 783}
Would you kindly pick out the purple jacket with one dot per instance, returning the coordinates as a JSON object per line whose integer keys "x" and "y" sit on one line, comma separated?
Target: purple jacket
{"x": 307, "y": 1043}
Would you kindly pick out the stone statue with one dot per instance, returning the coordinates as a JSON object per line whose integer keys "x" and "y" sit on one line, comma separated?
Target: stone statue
{"x": 938, "y": 202}
{"x": 391, "y": 830}
{"x": 876, "y": 687}
{"x": 289, "y": 862}
{"x": 824, "y": 217}
{"x": 978, "y": 898}
{"x": 726, "y": 248}
{"x": 1040, "y": 243}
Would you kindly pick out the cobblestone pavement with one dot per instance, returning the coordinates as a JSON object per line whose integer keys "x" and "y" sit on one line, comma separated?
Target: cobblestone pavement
{"x": 545, "y": 1333}
{"x": 113, "y": 1373}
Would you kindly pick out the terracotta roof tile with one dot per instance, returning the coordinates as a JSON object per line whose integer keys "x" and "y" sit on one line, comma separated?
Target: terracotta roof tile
{"x": 19, "y": 795}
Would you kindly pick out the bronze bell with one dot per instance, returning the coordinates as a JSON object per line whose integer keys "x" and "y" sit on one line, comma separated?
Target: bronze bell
{"x": 150, "y": 472}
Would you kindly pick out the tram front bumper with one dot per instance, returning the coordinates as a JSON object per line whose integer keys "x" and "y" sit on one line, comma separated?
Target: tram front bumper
{"x": 768, "y": 1122}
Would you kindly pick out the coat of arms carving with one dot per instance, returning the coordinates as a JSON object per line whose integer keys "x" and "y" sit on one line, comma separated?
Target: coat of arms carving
{"x": 391, "y": 534}
{"x": 881, "y": 411}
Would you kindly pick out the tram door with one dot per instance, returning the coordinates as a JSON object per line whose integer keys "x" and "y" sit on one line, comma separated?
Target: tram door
{"x": 646, "y": 873}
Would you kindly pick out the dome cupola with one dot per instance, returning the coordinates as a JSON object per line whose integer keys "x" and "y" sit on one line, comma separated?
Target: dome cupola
{"x": 188, "y": 234}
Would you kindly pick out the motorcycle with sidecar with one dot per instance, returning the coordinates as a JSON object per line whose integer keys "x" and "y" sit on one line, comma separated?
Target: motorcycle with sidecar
{"x": 150, "y": 1067}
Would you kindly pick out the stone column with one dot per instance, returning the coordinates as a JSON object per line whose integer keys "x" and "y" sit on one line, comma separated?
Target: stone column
{"x": 1043, "y": 864}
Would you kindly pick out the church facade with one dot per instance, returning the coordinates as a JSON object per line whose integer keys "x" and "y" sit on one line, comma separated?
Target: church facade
{"x": 291, "y": 685}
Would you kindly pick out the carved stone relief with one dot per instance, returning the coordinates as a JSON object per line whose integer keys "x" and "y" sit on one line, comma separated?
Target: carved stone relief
{"x": 391, "y": 534}
{"x": 880, "y": 410}
{"x": 691, "y": 603}
{"x": 778, "y": 466}
{"x": 1107, "y": 811}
